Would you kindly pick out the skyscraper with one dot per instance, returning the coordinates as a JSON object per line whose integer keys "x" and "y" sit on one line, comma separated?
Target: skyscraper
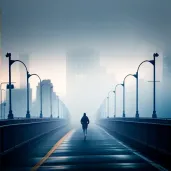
{"x": 84, "y": 78}
{"x": 19, "y": 102}
{"x": 166, "y": 84}
{"x": 80, "y": 63}
{"x": 46, "y": 90}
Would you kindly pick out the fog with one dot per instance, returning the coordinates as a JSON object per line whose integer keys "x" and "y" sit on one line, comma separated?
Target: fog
{"x": 87, "y": 47}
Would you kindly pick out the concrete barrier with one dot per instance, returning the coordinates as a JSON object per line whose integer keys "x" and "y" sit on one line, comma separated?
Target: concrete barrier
{"x": 15, "y": 135}
{"x": 154, "y": 135}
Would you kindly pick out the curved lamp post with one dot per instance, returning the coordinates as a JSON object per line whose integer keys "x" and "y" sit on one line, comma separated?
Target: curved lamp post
{"x": 115, "y": 98}
{"x": 29, "y": 75}
{"x": 153, "y": 62}
{"x": 10, "y": 115}
{"x": 124, "y": 93}
{"x": 108, "y": 102}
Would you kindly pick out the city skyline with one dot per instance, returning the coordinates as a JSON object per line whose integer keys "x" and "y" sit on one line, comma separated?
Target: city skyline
{"x": 122, "y": 40}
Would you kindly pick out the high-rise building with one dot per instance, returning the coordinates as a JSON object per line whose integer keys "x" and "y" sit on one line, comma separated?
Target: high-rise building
{"x": 19, "y": 102}
{"x": 166, "y": 84}
{"x": 84, "y": 78}
{"x": 24, "y": 58}
{"x": 79, "y": 64}
{"x": 46, "y": 90}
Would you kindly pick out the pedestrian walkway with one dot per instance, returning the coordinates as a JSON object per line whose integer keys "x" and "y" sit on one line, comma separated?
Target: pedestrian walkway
{"x": 100, "y": 151}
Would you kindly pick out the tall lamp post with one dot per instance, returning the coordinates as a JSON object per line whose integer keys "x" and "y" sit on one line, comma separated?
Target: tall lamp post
{"x": 10, "y": 86}
{"x": 124, "y": 93}
{"x": 115, "y": 98}
{"x": 137, "y": 88}
{"x": 29, "y": 75}
{"x": 51, "y": 89}
{"x": 108, "y": 102}
{"x": 154, "y": 115}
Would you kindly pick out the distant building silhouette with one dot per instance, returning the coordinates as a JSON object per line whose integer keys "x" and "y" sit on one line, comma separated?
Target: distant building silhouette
{"x": 84, "y": 78}
{"x": 46, "y": 90}
{"x": 19, "y": 102}
{"x": 166, "y": 85}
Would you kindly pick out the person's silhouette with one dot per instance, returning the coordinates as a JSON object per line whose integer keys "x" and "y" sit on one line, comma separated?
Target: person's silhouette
{"x": 85, "y": 121}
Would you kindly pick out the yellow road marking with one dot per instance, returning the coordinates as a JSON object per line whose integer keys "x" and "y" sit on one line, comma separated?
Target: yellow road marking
{"x": 51, "y": 151}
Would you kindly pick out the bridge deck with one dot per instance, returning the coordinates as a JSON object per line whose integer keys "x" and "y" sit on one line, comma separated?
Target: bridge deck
{"x": 99, "y": 152}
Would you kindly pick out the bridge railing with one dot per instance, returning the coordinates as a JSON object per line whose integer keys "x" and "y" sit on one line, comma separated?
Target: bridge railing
{"x": 15, "y": 135}
{"x": 154, "y": 135}
{"x": 19, "y": 120}
{"x": 143, "y": 119}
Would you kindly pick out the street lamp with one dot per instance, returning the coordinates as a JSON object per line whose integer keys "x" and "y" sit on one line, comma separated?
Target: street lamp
{"x": 124, "y": 93}
{"x": 115, "y": 99}
{"x": 154, "y": 115}
{"x": 10, "y": 115}
{"x": 51, "y": 89}
{"x": 29, "y": 75}
{"x": 108, "y": 101}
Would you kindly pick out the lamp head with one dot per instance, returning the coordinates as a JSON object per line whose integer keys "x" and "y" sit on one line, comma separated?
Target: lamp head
{"x": 8, "y": 55}
{"x": 155, "y": 55}
{"x": 152, "y": 62}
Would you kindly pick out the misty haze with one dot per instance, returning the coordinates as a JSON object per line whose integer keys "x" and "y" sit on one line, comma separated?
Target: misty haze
{"x": 109, "y": 59}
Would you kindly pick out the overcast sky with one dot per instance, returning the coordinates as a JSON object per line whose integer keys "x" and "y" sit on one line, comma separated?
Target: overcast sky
{"x": 123, "y": 32}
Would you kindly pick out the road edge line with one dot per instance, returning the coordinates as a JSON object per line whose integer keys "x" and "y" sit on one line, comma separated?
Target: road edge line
{"x": 34, "y": 168}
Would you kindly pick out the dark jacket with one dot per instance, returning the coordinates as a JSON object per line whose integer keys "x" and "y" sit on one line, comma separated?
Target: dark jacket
{"x": 85, "y": 120}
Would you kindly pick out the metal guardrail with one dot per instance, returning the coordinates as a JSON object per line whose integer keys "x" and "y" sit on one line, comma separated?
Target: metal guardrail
{"x": 154, "y": 135}
{"x": 145, "y": 120}
{"x": 24, "y": 120}
{"x": 14, "y": 135}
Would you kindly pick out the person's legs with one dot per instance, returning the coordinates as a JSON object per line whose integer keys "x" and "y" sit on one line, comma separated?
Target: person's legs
{"x": 83, "y": 127}
{"x": 86, "y": 128}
